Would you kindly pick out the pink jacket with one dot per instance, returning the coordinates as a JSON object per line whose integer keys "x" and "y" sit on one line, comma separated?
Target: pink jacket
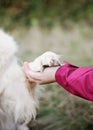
{"x": 76, "y": 80}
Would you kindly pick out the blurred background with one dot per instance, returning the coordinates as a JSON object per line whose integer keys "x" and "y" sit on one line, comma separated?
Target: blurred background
{"x": 64, "y": 27}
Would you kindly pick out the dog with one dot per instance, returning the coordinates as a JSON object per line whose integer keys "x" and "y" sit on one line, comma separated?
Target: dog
{"x": 18, "y": 97}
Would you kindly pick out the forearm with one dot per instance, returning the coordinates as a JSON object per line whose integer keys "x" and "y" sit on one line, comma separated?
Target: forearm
{"x": 76, "y": 80}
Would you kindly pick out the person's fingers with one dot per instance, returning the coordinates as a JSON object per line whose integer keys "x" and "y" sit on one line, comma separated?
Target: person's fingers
{"x": 32, "y": 79}
{"x": 29, "y": 72}
{"x": 32, "y": 76}
{"x": 26, "y": 68}
{"x": 26, "y": 64}
{"x": 26, "y": 71}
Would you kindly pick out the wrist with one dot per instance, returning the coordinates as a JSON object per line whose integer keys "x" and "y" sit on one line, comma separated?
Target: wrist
{"x": 50, "y": 74}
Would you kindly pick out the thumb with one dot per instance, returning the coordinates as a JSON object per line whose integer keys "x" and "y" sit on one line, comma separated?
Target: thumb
{"x": 26, "y": 68}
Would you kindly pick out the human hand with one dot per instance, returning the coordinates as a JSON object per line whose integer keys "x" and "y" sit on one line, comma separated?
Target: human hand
{"x": 45, "y": 77}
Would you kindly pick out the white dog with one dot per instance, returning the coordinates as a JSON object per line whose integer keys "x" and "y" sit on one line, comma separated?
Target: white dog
{"x": 18, "y": 98}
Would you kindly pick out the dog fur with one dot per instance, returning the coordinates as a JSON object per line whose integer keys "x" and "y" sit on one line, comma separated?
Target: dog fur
{"x": 18, "y": 97}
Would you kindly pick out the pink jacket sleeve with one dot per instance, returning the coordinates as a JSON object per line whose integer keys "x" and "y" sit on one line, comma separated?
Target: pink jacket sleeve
{"x": 76, "y": 80}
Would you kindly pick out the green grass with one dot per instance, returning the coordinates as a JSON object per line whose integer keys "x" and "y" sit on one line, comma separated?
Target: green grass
{"x": 62, "y": 111}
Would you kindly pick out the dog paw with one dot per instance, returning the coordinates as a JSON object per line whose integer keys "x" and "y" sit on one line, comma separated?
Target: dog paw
{"x": 48, "y": 59}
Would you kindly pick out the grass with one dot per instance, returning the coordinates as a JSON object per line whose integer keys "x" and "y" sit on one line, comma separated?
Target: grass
{"x": 62, "y": 111}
